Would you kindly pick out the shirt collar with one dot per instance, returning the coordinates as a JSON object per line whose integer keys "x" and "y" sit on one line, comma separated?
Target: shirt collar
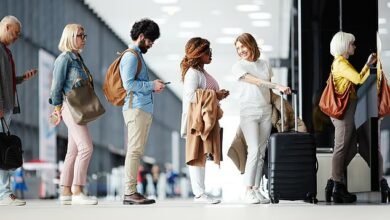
{"x": 135, "y": 47}
{"x": 71, "y": 55}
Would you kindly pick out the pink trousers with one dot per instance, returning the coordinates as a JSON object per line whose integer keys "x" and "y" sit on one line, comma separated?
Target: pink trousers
{"x": 79, "y": 152}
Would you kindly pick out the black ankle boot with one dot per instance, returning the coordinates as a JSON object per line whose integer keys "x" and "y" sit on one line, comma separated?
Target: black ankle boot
{"x": 329, "y": 190}
{"x": 385, "y": 191}
{"x": 341, "y": 194}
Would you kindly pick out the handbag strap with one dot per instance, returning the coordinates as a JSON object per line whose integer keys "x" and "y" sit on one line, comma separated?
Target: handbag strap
{"x": 85, "y": 69}
{"x": 3, "y": 122}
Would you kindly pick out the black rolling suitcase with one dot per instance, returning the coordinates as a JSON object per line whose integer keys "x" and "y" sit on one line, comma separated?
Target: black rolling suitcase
{"x": 292, "y": 165}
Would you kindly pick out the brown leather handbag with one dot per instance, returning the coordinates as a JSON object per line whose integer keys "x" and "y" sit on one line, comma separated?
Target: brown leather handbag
{"x": 383, "y": 97}
{"x": 83, "y": 103}
{"x": 332, "y": 103}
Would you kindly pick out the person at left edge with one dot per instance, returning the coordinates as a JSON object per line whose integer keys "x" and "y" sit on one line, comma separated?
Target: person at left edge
{"x": 10, "y": 29}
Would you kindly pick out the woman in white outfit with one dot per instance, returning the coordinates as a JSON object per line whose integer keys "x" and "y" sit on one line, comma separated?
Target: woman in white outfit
{"x": 194, "y": 76}
{"x": 254, "y": 79}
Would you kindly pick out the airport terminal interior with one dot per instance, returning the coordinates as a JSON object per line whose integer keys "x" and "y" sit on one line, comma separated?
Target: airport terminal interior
{"x": 293, "y": 37}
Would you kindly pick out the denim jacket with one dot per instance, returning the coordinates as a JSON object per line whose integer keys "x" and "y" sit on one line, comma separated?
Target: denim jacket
{"x": 67, "y": 68}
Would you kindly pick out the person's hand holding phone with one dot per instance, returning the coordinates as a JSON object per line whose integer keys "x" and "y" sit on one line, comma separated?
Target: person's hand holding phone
{"x": 221, "y": 94}
{"x": 29, "y": 74}
{"x": 158, "y": 86}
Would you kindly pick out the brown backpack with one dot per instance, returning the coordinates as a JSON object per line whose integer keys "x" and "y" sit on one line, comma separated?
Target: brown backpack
{"x": 112, "y": 86}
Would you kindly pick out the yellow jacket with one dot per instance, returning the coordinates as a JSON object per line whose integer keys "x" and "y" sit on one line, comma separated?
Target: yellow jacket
{"x": 344, "y": 74}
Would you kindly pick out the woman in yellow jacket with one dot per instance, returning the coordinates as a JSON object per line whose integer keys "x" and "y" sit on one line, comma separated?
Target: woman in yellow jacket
{"x": 344, "y": 74}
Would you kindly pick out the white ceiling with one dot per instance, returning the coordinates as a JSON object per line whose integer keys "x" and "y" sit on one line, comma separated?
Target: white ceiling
{"x": 220, "y": 21}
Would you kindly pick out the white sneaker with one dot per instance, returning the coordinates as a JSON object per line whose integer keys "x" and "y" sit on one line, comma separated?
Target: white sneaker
{"x": 264, "y": 187}
{"x": 260, "y": 196}
{"x": 65, "y": 200}
{"x": 82, "y": 199}
{"x": 204, "y": 198}
{"x": 11, "y": 200}
{"x": 251, "y": 198}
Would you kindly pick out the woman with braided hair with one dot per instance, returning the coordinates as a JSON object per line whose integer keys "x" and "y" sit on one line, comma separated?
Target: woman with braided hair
{"x": 195, "y": 78}
{"x": 254, "y": 78}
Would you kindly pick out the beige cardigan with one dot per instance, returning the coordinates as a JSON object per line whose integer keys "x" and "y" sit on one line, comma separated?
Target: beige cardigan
{"x": 203, "y": 130}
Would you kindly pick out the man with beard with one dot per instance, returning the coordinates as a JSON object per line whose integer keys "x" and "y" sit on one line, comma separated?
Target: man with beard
{"x": 138, "y": 106}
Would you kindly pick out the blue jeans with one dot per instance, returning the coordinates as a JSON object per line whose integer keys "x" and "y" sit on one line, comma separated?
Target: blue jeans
{"x": 5, "y": 175}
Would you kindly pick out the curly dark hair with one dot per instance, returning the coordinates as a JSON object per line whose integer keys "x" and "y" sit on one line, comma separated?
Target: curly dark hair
{"x": 147, "y": 27}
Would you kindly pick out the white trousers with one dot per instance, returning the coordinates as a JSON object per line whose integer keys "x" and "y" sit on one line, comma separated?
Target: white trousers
{"x": 256, "y": 130}
{"x": 197, "y": 176}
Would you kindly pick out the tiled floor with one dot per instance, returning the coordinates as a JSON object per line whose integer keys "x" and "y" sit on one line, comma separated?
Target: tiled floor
{"x": 186, "y": 210}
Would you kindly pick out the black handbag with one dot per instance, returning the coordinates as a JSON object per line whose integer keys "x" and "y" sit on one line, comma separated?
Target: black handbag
{"x": 11, "y": 153}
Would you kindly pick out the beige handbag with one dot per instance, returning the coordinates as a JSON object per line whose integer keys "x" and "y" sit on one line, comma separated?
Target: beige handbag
{"x": 83, "y": 103}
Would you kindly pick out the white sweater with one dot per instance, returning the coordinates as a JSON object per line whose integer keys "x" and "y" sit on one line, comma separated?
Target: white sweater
{"x": 193, "y": 80}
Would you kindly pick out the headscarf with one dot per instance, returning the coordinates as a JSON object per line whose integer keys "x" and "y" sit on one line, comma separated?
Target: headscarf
{"x": 195, "y": 48}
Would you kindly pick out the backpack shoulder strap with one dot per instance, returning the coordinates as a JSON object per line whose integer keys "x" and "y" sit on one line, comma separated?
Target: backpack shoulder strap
{"x": 139, "y": 63}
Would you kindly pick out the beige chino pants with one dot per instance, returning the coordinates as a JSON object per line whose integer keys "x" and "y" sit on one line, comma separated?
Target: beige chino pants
{"x": 138, "y": 124}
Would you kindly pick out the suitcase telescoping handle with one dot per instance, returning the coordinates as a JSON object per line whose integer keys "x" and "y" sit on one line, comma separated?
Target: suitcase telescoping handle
{"x": 295, "y": 92}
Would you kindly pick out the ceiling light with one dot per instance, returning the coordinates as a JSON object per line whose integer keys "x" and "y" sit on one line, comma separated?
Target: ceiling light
{"x": 232, "y": 31}
{"x": 260, "y": 41}
{"x": 185, "y": 34}
{"x": 247, "y": 8}
{"x": 383, "y": 31}
{"x": 225, "y": 40}
{"x": 260, "y": 15}
{"x": 381, "y": 20}
{"x": 261, "y": 23}
{"x": 171, "y": 10}
{"x": 190, "y": 24}
{"x": 165, "y": 1}
{"x": 388, "y": 4}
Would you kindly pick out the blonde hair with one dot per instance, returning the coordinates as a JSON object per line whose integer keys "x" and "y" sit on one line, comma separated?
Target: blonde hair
{"x": 340, "y": 43}
{"x": 68, "y": 38}
{"x": 249, "y": 42}
{"x": 10, "y": 19}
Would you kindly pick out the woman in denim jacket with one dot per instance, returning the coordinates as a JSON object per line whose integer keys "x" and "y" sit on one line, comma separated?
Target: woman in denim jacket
{"x": 68, "y": 67}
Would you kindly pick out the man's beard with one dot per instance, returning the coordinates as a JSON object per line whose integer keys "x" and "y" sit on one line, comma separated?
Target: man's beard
{"x": 143, "y": 47}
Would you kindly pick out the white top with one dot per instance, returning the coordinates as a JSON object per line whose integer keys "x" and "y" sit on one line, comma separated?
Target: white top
{"x": 193, "y": 80}
{"x": 254, "y": 100}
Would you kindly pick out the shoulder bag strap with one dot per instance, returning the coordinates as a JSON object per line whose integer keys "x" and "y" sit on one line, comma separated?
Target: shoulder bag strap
{"x": 139, "y": 66}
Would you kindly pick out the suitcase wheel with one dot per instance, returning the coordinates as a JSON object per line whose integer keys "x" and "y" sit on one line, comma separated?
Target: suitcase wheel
{"x": 274, "y": 200}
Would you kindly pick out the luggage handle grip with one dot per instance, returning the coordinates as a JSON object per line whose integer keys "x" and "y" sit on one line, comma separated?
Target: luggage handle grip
{"x": 295, "y": 92}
